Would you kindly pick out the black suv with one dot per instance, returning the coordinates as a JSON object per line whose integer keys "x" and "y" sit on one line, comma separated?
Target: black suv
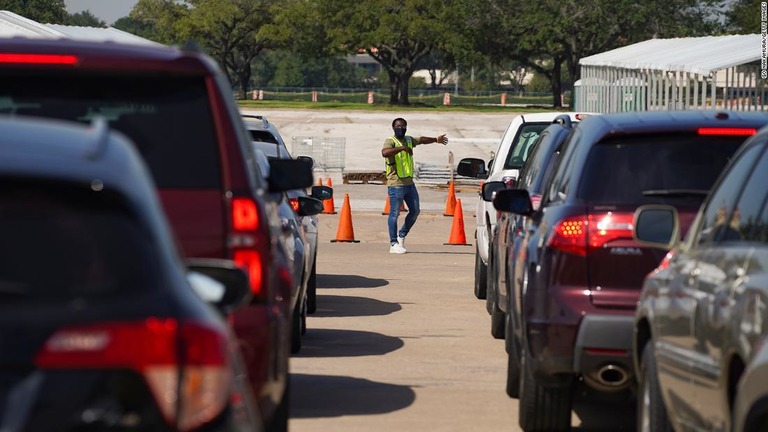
{"x": 577, "y": 280}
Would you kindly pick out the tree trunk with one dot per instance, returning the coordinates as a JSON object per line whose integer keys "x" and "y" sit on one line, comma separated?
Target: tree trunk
{"x": 244, "y": 79}
{"x": 394, "y": 87}
{"x": 557, "y": 87}
{"x": 405, "y": 79}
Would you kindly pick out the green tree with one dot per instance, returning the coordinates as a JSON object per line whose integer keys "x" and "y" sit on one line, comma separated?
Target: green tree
{"x": 86, "y": 19}
{"x": 162, "y": 16}
{"x": 137, "y": 27}
{"x": 43, "y": 11}
{"x": 744, "y": 17}
{"x": 398, "y": 35}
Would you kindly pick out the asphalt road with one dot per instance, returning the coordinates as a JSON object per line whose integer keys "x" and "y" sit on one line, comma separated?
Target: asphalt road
{"x": 399, "y": 342}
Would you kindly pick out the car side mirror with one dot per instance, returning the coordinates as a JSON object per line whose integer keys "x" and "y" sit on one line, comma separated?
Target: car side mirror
{"x": 288, "y": 174}
{"x": 517, "y": 201}
{"x": 490, "y": 188}
{"x": 472, "y": 167}
{"x": 656, "y": 226}
{"x": 309, "y": 206}
{"x": 219, "y": 282}
{"x": 322, "y": 192}
{"x": 307, "y": 159}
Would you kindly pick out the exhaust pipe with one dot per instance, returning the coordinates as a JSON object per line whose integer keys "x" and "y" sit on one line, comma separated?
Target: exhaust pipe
{"x": 610, "y": 377}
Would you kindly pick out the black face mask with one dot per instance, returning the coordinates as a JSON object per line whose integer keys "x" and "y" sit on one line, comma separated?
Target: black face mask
{"x": 399, "y": 132}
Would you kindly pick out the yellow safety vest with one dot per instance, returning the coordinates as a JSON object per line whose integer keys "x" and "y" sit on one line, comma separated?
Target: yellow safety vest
{"x": 403, "y": 160}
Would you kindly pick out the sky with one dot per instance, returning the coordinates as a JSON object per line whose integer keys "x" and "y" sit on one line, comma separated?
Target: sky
{"x": 107, "y": 10}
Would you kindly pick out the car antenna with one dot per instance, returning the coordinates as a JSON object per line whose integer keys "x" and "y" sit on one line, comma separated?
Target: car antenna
{"x": 101, "y": 135}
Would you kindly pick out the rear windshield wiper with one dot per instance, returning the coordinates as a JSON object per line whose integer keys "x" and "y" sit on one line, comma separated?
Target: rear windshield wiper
{"x": 675, "y": 192}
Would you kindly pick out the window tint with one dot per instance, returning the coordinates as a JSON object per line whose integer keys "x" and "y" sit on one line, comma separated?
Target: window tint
{"x": 746, "y": 215}
{"x": 671, "y": 169}
{"x": 713, "y": 224}
{"x": 167, "y": 117}
{"x": 559, "y": 186}
{"x": 533, "y": 162}
{"x": 525, "y": 138}
{"x": 60, "y": 243}
{"x": 263, "y": 136}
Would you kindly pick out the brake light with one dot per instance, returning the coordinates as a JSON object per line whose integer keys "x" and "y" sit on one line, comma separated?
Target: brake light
{"x": 45, "y": 59}
{"x": 665, "y": 261}
{"x": 245, "y": 215}
{"x": 294, "y": 204}
{"x": 185, "y": 365}
{"x": 727, "y": 131}
{"x": 579, "y": 234}
{"x": 250, "y": 261}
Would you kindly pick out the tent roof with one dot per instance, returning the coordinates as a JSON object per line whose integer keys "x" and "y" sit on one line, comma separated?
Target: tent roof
{"x": 14, "y": 25}
{"x": 702, "y": 55}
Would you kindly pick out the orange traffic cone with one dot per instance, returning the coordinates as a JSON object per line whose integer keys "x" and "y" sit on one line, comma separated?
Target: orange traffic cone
{"x": 450, "y": 202}
{"x": 329, "y": 207}
{"x": 457, "y": 228}
{"x": 387, "y": 208}
{"x": 319, "y": 181}
{"x": 345, "y": 232}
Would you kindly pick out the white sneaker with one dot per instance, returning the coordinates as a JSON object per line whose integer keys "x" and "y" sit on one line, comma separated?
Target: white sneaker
{"x": 397, "y": 249}
{"x": 401, "y": 241}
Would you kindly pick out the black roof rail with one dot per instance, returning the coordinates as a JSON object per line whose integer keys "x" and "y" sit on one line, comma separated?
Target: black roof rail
{"x": 263, "y": 119}
{"x": 564, "y": 119}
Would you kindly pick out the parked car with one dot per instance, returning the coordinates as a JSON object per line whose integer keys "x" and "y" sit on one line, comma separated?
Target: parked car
{"x": 301, "y": 216}
{"x": 512, "y": 152}
{"x": 100, "y": 326}
{"x": 176, "y": 106}
{"x": 578, "y": 281}
{"x": 700, "y": 327}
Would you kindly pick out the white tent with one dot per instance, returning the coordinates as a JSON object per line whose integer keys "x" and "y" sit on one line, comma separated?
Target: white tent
{"x": 710, "y": 72}
{"x": 14, "y": 25}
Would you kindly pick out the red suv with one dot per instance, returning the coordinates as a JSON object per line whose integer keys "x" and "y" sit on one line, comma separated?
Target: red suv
{"x": 177, "y": 107}
{"x": 578, "y": 272}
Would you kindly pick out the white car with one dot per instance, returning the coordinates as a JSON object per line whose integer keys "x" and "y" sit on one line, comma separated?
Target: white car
{"x": 513, "y": 150}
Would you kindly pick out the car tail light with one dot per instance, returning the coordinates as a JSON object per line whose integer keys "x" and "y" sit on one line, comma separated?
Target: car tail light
{"x": 247, "y": 243}
{"x": 727, "y": 131}
{"x": 41, "y": 59}
{"x": 294, "y": 204}
{"x": 580, "y": 234}
{"x": 535, "y": 201}
{"x": 185, "y": 365}
{"x": 665, "y": 261}
{"x": 510, "y": 181}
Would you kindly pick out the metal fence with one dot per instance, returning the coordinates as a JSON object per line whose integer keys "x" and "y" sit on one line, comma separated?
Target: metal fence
{"x": 328, "y": 152}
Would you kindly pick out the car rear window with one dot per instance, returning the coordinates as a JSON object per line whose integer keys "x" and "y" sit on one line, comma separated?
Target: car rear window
{"x": 522, "y": 142}
{"x": 61, "y": 242}
{"x": 677, "y": 168}
{"x": 168, "y": 117}
{"x": 263, "y": 136}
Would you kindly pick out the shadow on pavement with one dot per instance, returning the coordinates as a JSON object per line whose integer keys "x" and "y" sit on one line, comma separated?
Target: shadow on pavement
{"x": 335, "y": 396}
{"x": 604, "y": 412}
{"x": 348, "y": 281}
{"x": 343, "y": 306}
{"x": 346, "y": 343}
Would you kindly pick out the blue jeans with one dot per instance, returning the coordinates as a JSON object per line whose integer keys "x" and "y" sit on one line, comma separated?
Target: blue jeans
{"x": 398, "y": 194}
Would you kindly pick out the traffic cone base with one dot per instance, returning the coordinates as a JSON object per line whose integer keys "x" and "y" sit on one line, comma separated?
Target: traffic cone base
{"x": 345, "y": 233}
{"x": 450, "y": 202}
{"x": 457, "y": 236}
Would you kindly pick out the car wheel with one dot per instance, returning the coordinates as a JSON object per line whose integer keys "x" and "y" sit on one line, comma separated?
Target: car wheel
{"x": 304, "y": 316}
{"x": 312, "y": 288}
{"x": 497, "y": 321}
{"x": 296, "y": 329}
{"x": 651, "y": 412}
{"x": 513, "y": 360}
{"x": 543, "y": 408}
{"x": 481, "y": 275}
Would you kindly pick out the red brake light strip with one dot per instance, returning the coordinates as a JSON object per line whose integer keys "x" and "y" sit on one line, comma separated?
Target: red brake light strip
{"x": 727, "y": 131}
{"x": 49, "y": 59}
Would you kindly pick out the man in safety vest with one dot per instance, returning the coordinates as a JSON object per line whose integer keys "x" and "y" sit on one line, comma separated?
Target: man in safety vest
{"x": 398, "y": 158}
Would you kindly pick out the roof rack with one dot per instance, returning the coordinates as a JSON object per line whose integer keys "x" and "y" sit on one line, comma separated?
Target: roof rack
{"x": 263, "y": 119}
{"x": 563, "y": 119}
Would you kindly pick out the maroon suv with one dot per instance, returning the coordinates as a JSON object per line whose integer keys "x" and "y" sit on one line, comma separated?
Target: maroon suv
{"x": 177, "y": 107}
{"x": 577, "y": 276}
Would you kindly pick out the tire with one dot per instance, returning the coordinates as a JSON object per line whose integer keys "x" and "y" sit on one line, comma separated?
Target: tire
{"x": 304, "y": 316}
{"x": 543, "y": 408}
{"x": 497, "y": 321}
{"x": 312, "y": 288}
{"x": 481, "y": 275}
{"x": 296, "y": 329}
{"x": 513, "y": 360}
{"x": 651, "y": 412}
